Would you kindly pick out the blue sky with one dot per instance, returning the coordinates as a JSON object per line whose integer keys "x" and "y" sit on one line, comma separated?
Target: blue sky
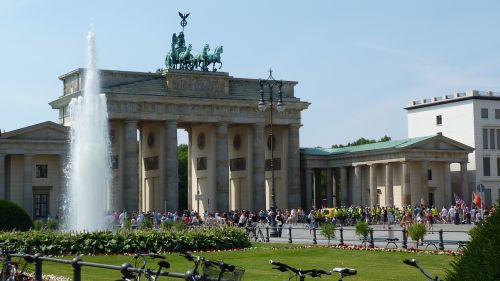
{"x": 357, "y": 62}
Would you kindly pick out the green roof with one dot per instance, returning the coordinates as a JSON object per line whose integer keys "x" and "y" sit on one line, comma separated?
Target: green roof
{"x": 392, "y": 144}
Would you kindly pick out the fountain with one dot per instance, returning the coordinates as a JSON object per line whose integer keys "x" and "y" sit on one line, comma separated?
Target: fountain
{"x": 89, "y": 166}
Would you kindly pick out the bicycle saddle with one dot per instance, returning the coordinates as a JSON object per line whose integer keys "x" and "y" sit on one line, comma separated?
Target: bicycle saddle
{"x": 345, "y": 271}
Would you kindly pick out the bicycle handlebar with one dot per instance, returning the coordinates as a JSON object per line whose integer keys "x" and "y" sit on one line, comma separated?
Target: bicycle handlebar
{"x": 345, "y": 271}
{"x": 311, "y": 272}
{"x": 222, "y": 265}
{"x": 413, "y": 262}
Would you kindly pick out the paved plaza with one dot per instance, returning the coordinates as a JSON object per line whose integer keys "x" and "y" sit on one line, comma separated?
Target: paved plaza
{"x": 451, "y": 235}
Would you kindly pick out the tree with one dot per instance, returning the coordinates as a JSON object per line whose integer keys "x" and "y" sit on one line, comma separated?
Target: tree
{"x": 362, "y": 141}
{"x": 481, "y": 255}
{"x": 182, "y": 160}
{"x": 328, "y": 230}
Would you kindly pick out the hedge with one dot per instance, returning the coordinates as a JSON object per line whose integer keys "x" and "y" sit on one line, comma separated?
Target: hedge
{"x": 124, "y": 241}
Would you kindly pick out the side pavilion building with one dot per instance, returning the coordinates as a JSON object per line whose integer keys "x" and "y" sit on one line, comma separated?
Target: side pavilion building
{"x": 393, "y": 173}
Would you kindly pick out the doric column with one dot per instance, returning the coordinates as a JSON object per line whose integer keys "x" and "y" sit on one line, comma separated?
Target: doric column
{"x": 373, "y": 185}
{"x": 389, "y": 190}
{"x": 171, "y": 170}
{"x": 329, "y": 187}
{"x": 424, "y": 182}
{"x": 130, "y": 169}
{"x": 2, "y": 177}
{"x": 309, "y": 191}
{"x": 221, "y": 168}
{"x": 358, "y": 189}
{"x": 317, "y": 188}
{"x": 27, "y": 184}
{"x": 406, "y": 185}
{"x": 259, "y": 186}
{"x": 447, "y": 184}
{"x": 190, "y": 190}
{"x": 293, "y": 166}
{"x": 63, "y": 188}
{"x": 343, "y": 186}
{"x": 463, "y": 181}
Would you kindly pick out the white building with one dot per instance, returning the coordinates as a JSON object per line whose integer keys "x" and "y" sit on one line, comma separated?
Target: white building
{"x": 472, "y": 118}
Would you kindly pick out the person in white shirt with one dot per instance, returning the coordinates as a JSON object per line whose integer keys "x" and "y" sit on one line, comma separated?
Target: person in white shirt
{"x": 444, "y": 214}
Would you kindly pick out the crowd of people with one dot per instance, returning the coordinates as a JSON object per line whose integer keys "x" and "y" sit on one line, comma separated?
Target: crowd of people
{"x": 456, "y": 214}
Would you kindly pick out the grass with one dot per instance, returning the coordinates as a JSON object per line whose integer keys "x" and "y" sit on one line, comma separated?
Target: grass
{"x": 371, "y": 265}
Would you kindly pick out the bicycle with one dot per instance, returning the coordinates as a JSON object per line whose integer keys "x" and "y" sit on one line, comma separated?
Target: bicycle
{"x": 15, "y": 270}
{"x": 211, "y": 270}
{"x": 142, "y": 259}
{"x": 297, "y": 272}
{"x": 413, "y": 262}
{"x": 344, "y": 272}
{"x": 255, "y": 233}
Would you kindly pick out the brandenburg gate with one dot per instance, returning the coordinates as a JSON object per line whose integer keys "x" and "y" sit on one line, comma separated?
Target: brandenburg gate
{"x": 228, "y": 149}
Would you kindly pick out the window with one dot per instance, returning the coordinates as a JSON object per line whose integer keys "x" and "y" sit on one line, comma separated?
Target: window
{"x": 486, "y": 166}
{"x": 151, "y": 163}
{"x": 237, "y": 164}
{"x": 40, "y": 205}
{"x": 41, "y": 171}
{"x": 439, "y": 120}
{"x": 429, "y": 174}
{"x": 276, "y": 164}
{"x": 484, "y": 113}
{"x": 485, "y": 138}
{"x": 498, "y": 167}
{"x": 498, "y": 138}
{"x": 492, "y": 138}
{"x": 201, "y": 163}
{"x": 497, "y": 113}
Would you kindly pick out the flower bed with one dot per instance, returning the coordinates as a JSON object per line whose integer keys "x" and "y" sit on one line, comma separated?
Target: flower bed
{"x": 123, "y": 241}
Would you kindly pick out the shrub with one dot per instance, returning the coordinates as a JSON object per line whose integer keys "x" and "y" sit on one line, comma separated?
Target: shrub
{"x": 38, "y": 224}
{"x": 13, "y": 217}
{"x": 146, "y": 224}
{"x": 362, "y": 229}
{"x": 328, "y": 230}
{"x": 417, "y": 232}
{"x": 179, "y": 225}
{"x": 52, "y": 224}
{"x": 167, "y": 224}
{"x": 480, "y": 257}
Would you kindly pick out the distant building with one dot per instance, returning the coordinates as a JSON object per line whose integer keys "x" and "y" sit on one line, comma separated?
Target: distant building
{"x": 472, "y": 118}
{"x": 397, "y": 173}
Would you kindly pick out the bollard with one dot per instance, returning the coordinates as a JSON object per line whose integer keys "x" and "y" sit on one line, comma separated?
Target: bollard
{"x": 38, "y": 267}
{"x": 371, "y": 238}
{"x": 405, "y": 240}
{"x": 314, "y": 236}
{"x": 290, "y": 234}
{"x": 267, "y": 233}
{"x": 77, "y": 269}
{"x": 441, "y": 242}
{"x": 341, "y": 236}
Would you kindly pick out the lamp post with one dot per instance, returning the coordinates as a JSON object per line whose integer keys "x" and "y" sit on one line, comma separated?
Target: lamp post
{"x": 271, "y": 83}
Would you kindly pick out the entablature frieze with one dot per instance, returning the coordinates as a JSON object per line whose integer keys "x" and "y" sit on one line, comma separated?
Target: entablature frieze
{"x": 192, "y": 112}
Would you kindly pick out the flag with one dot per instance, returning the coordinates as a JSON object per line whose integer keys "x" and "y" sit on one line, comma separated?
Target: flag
{"x": 459, "y": 201}
{"x": 477, "y": 200}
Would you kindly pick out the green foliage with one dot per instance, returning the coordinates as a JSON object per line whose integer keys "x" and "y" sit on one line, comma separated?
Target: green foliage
{"x": 167, "y": 225}
{"x": 52, "y": 224}
{"x": 481, "y": 256}
{"x": 182, "y": 162}
{"x": 361, "y": 141}
{"x": 179, "y": 225}
{"x": 127, "y": 224}
{"x": 38, "y": 224}
{"x": 417, "y": 231}
{"x": 124, "y": 241}
{"x": 146, "y": 224}
{"x": 362, "y": 229}
{"x": 328, "y": 230}
{"x": 13, "y": 217}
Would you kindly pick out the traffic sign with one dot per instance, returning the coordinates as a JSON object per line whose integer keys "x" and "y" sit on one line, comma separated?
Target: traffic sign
{"x": 198, "y": 197}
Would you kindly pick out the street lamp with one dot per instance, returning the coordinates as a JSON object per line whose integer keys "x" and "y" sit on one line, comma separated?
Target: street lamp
{"x": 271, "y": 83}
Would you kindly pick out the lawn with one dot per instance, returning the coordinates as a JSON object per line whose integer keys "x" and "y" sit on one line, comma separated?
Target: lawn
{"x": 371, "y": 265}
